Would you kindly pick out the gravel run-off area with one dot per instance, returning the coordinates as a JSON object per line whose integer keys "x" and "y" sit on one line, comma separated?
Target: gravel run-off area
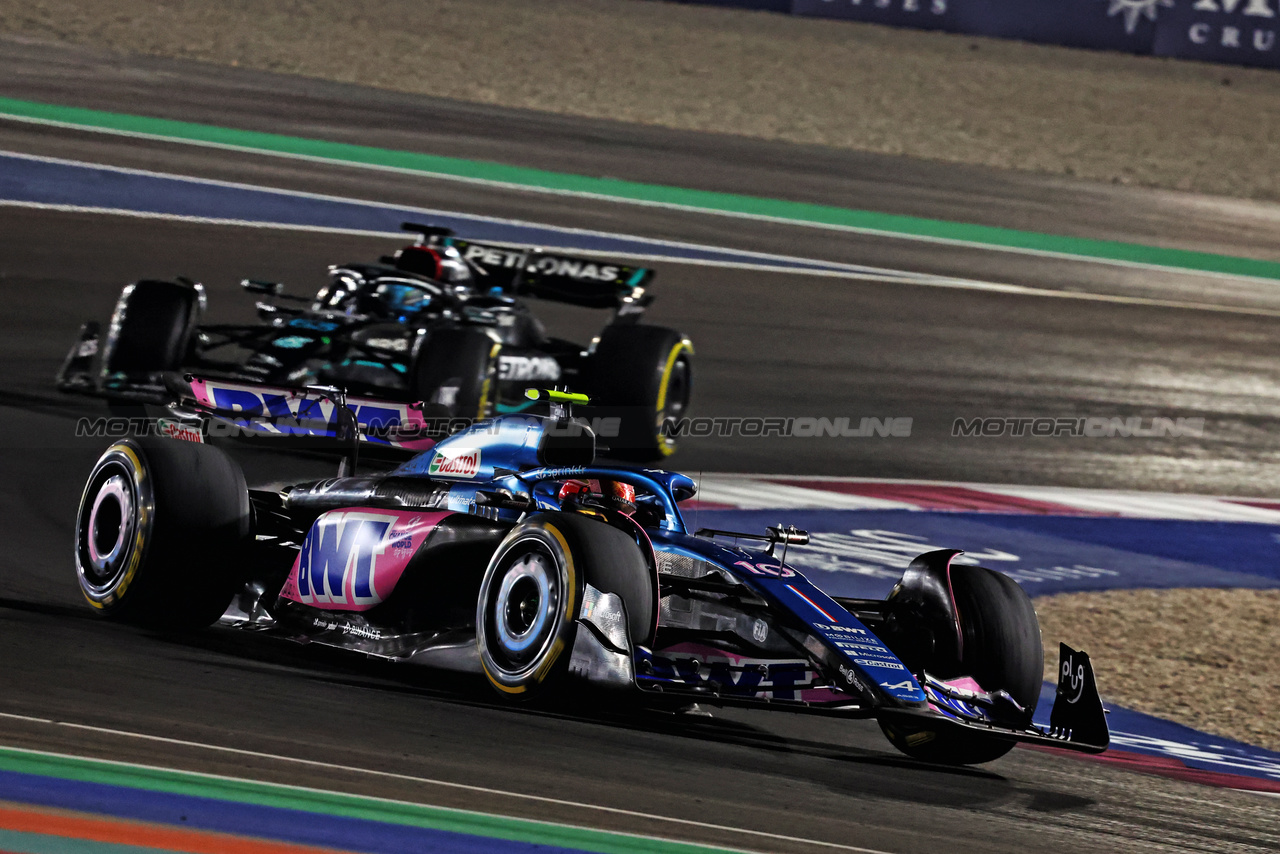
{"x": 1207, "y": 658}
{"x": 1094, "y": 114}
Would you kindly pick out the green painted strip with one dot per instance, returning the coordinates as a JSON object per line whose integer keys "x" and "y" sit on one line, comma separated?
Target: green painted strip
{"x": 895, "y": 225}
{"x": 337, "y": 804}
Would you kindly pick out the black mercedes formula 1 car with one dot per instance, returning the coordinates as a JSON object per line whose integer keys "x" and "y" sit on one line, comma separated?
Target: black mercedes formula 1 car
{"x": 443, "y": 321}
{"x": 508, "y": 551}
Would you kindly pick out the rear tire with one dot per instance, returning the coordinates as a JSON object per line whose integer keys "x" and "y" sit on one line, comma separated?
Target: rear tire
{"x": 532, "y": 592}
{"x": 1000, "y": 649}
{"x": 160, "y": 532}
{"x": 457, "y": 367}
{"x": 151, "y": 329}
{"x": 644, "y": 375}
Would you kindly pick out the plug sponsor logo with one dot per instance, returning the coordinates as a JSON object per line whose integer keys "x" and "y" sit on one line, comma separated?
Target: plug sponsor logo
{"x": 455, "y": 463}
{"x": 1071, "y": 679}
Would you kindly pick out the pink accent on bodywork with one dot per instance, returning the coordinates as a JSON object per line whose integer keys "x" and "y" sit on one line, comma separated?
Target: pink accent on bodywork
{"x": 965, "y": 683}
{"x": 411, "y": 421}
{"x": 407, "y": 532}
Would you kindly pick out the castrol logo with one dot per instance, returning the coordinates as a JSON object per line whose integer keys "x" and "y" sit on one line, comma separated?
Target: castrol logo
{"x": 456, "y": 463}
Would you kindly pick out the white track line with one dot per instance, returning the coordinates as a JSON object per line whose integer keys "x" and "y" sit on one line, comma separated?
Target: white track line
{"x": 516, "y": 223}
{"x": 526, "y": 188}
{"x": 389, "y": 775}
{"x": 770, "y": 491}
{"x": 899, "y": 277}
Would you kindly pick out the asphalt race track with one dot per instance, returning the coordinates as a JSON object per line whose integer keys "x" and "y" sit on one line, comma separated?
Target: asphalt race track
{"x": 768, "y": 344}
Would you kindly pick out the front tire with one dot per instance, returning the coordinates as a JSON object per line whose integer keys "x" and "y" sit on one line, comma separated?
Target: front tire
{"x": 159, "y": 531}
{"x": 532, "y": 592}
{"x": 1000, "y": 648}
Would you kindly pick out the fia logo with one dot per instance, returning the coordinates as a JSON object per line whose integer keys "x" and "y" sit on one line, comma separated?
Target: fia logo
{"x": 338, "y": 563}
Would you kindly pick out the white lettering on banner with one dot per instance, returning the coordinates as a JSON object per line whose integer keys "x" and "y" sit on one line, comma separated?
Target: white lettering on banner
{"x": 1263, "y": 41}
{"x": 1255, "y": 8}
{"x": 936, "y": 7}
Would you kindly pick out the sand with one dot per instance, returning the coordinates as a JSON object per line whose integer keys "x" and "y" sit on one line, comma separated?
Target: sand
{"x": 1097, "y": 115}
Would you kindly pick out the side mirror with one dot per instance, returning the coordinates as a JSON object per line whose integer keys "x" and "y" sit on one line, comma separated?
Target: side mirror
{"x": 254, "y": 286}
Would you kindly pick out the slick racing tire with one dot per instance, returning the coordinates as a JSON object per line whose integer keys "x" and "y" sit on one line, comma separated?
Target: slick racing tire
{"x": 160, "y": 531}
{"x": 1000, "y": 649}
{"x": 532, "y": 592}
{"x": 456, "y": 367}
{"x": 151, "y": 329}
{"x": 644, "y": 375}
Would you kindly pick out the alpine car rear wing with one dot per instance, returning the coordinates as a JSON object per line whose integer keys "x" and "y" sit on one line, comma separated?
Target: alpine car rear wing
{"x": 526, "y": 271}
{"x": 237, "y": 408}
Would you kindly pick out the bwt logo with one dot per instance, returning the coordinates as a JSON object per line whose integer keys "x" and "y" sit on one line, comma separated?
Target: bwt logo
{"x": 338, "y": 563}
{"x": 251, "y": 404}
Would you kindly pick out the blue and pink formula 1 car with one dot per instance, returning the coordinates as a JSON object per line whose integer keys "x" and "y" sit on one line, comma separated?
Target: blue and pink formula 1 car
{"x": 505, "y": 549}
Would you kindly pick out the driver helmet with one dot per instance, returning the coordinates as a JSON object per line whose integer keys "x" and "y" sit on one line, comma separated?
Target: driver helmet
{"x": 442, "y": 263}
{"x": 610, "y": 494}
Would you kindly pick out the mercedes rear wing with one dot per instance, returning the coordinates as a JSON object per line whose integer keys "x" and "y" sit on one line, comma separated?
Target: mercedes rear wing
{"x": 527, "y": 271}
